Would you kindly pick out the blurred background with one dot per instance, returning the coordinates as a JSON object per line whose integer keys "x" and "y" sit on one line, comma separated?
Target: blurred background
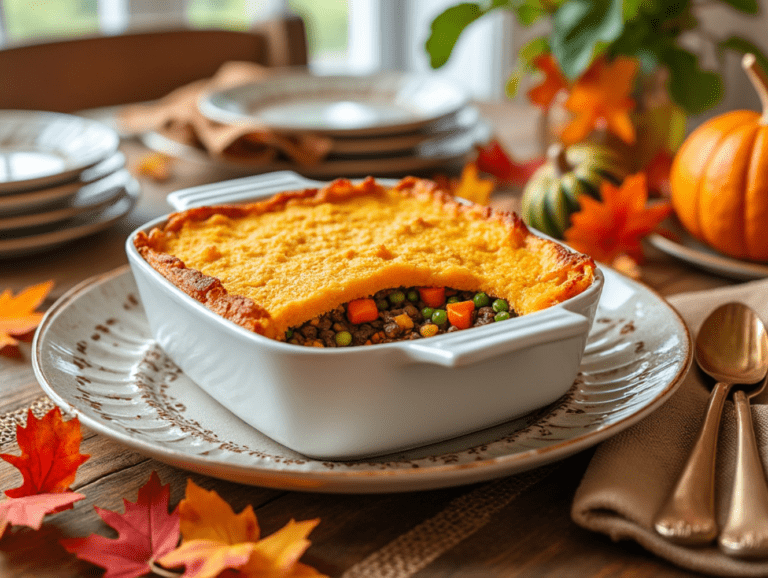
{"x": 362, "y": 36}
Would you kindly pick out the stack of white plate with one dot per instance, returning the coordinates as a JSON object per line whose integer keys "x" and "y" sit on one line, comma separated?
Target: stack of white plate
{"x": 61, "y": 178}
{"x": 382, "y": 124}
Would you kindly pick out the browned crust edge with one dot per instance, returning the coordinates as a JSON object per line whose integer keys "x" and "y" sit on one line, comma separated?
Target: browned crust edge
{"x": 248, "y": 314}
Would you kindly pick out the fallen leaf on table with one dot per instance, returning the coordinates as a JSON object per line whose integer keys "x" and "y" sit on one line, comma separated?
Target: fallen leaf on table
{"x": 614, "y": 227}
{"x": 495, "y": 161}
{"x": 18, "y": 318}
{"x": 146, "y": 531}
{"x": 50, "y": 454}
{"x": 215, "y": 539}
{"x": 30, "y": 510}
{"x": 554, "y": 81}
{"x": 469, "y": 186}
{"x": 156, "y": 166}
{"x": 602, "y": 96}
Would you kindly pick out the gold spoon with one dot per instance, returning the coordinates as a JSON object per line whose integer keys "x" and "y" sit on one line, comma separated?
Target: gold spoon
{"x": 728, "y": 348}
{"x": 745, "y": 533}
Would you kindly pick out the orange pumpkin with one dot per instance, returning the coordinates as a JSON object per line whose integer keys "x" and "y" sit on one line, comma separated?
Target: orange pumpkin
{"x": 719, "y": 178}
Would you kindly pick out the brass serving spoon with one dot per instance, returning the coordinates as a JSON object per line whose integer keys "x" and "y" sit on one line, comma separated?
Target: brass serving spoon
{"x": 745, "y": 533}
{"x": 728, "y": 348}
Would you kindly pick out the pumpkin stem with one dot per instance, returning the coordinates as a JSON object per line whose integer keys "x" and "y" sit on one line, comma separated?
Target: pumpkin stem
{"x": 556, "y": 154}
{"x": 759, "y": 80}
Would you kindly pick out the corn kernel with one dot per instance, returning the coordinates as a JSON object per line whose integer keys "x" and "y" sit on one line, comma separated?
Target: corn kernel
{"x": 403, "y": 321}
{"x": 428, "y": 330}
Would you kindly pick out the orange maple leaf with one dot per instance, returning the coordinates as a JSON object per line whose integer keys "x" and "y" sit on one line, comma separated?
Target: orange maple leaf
{"x": 215, "y": 539}
{"x": 18, "y": 317}
{"x": 616, "y": 226}
{"x": 601, "y": 98}
{"x": 469, "y": 186}
{"x": 50, "y": 454}
{"x": 554, "y": 81}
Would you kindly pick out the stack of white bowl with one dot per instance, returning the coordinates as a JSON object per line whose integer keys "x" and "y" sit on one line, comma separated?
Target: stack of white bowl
{"x": 61, "y": 178}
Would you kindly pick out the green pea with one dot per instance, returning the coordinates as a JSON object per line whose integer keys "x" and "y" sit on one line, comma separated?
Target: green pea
{"x": 396, "y": 297}
{"x": 413, "y": 296}
{"x": 288, "y": 334}
{"x": 427, "y": 312}
{"x": 480, "y": 300}
{"x": 343, "y": 338}
{"x": 500, "y": 305}
{"x": 382, "y": 304}
{"x": 501, "y": 316}
{"x": 452, "y": 299}
{"x": 439, "y": 317}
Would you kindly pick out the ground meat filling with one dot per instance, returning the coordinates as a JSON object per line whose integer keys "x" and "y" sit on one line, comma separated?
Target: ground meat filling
{"x": 400, "y": 314}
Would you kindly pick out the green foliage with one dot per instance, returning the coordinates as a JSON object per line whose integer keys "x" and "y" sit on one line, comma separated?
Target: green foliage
{"x": 583, "y": 29}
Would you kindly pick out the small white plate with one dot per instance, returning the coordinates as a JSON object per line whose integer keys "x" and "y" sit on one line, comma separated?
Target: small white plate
{"x": 94, "y": 356}
{"x": 42, "y": 148}
{"x": 35, "y": 200}
{"x": 77, "y": 228}
{"x": 431, "y": 154}
{"x": 88, "y": 199}
{"x": 378, "y": 104}
{"x": 688, "y": 249}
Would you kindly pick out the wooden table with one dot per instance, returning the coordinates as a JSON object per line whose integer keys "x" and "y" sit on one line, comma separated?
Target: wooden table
{"x": 531, "y": 536}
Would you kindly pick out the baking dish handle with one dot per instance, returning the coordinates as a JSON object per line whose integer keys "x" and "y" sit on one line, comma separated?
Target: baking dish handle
{"x": 466, "y": 348}
{"x": 240, "y": 190}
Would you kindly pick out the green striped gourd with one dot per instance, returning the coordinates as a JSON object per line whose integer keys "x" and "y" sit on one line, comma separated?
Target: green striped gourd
{"x": 551, "y": 195}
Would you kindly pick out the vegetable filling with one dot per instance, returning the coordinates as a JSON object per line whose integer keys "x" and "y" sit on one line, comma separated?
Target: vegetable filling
{"x": 400, "y": 314}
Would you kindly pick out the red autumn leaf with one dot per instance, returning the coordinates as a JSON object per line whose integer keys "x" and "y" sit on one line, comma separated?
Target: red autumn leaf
{"x": 18, "y": 317}
{"x": 614, "y": 227}
{"x": 495, "y": 161}
{"x": 30, "y": 510}
{"x": 544, "y": 93}
{"x": 658, "y": 170}
{"x": 50, "y": 454}
{"x": 146, "y": 531}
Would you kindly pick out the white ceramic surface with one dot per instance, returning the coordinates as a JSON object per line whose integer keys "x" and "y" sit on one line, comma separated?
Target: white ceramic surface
{"x": 94, "y": 355}
{"x": 41, "y": 148}
{"x": 688, "y": 249}
{"x": 384, "y": 103}
{"x": 89, "y": 199}
{"x": 430, "y": 154}
{"x": 76, "y": 228}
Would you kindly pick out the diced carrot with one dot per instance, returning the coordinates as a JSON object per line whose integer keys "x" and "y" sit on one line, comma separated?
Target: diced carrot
{"x": 432, "y": 296}
{"x": 460, "y": 314}
{"x": 362, "y": 311}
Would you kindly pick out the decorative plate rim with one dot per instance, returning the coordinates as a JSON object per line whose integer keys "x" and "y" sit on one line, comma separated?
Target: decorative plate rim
{"x": 380, "y": 480}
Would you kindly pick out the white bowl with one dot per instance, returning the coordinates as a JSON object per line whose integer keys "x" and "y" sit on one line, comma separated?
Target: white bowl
{"x": 363, "y": 401}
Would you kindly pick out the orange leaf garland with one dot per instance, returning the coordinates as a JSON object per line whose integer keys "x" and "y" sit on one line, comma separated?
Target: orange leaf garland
{"x": 50, "y": 454}
{"x": 554, "y": 81}
{"x": 216, "y": 539}
{"x": 602, "y": 96}
{"x": 145, "y": 531}
{"x": 605, "y": 230}
{"x": 18, "y": 317}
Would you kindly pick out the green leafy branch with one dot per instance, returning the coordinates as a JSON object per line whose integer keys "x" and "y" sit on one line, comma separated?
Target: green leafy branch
{"x": 583, "y": 29}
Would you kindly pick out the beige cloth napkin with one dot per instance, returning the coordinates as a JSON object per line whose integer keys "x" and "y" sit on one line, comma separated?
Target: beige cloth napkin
{"x": 177, "y": 117}
{"x": 631, "y": 474}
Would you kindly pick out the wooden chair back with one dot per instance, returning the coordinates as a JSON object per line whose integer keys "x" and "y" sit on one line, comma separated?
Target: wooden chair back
{"x": 78, "y": 74}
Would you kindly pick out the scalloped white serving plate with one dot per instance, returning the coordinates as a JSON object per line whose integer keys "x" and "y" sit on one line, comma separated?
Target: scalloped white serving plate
{"x": 94, "y": 356}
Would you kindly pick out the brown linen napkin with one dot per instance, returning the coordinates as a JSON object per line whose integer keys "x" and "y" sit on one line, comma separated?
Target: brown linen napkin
{"x": 177, "y": 117}
{"x": 631, "y": 474}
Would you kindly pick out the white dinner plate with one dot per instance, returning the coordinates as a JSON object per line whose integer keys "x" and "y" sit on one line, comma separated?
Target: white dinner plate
{"x": 76, "y": 228}
{"x": 384, "y": 103}
{"x": 688, "y": 249}
{"x": 42, "y": 148}
{"x": 88, "y": 199}
{"x": 431, "y": 154}
{"x": 94, "y": 356}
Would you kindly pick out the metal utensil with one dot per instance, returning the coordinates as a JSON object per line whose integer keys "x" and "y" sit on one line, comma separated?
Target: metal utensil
{"x": 727, "y": 349}
{"x": 745, "y": 533}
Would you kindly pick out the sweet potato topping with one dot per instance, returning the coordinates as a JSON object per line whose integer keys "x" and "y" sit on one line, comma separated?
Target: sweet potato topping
{"x": 274, "y": 264}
